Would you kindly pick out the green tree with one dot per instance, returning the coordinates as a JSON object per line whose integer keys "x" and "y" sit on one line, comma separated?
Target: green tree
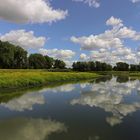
{"x": 49, "y": 62}
{"x": 37, "y": 61}
{"x": 98, "y": 66}
{"x": 59, "y": 64}
{"x": 92, "y": 66}
{"x": 6, "y": 54}
{"x": 81, "y": 66}
{"x": 12, "y": 56}
{"x": 20, "y": 58}
{"x": 121, "y": 66}
{"x": 134, "y": 67}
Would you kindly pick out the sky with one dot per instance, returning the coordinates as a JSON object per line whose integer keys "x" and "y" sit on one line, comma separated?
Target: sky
{"x": 74, "y": 30}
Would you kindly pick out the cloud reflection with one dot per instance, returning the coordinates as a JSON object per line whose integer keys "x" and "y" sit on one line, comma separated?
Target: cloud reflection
{"x": 110, "y": 96}
{"x": 24, "y": 102}
{"x": 63, "y": 88}
{"x": 29, "y": 129}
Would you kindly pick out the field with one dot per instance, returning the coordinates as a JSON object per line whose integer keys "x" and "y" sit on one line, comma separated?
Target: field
{"x": 32, "y": 78}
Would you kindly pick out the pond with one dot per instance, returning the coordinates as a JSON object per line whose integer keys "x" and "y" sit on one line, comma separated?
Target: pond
{"x": 102, "y": 109}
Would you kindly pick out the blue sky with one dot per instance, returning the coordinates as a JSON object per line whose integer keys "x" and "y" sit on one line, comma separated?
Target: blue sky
{"x": 76, "y": 19}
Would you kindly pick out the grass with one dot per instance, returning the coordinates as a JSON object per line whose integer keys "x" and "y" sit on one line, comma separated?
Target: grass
{"x": 12, "y": 79}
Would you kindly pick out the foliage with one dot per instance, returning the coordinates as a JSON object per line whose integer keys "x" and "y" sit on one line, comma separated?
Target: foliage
{"x": 59, "y": 64}
{"x": 91, "y": 66}
{"x": 15, "y": 57}
{"x": 121, "y": 66}
{"x": 37, "y": 61}
{"x": 49, "y": 62}
{"x": 134, "y": 67}
{"x": 12, "y": 56}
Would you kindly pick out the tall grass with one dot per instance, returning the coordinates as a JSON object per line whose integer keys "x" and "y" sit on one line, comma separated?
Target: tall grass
{"x": 31, "y": 78}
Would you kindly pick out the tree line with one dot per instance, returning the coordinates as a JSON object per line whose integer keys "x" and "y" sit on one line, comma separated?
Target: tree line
{"x": 15, "y": 57}
{"x": 102, "y": 66}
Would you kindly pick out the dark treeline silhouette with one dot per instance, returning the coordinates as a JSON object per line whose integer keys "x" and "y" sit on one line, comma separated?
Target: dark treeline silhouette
{"x": 15, "y": 57}
{"x": 99, "y": 66}
{"x": 91, "y": 66}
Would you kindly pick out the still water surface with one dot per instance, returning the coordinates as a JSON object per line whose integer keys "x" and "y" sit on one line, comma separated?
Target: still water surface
{"x": 105, "y": 109}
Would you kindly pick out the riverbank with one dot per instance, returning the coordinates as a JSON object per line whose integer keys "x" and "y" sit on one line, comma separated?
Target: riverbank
{"x": 12, "y": 79}
{"x": 121, "y": 73}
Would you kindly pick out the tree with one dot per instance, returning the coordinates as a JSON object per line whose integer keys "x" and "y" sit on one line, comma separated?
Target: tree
{"x": 6, "y": 55}
{"x": 98, "y": 66}
{"x": 81, "y": 66}
{"x": 49, "y": 62}
{"x": 37, "y": 61}
{"x": 121, "y": 66}
{"x": 92, "y": 66}
{"x": 59, "y": 64}
{"x": 12, "y": 56}
{"x": 20, "y": 58}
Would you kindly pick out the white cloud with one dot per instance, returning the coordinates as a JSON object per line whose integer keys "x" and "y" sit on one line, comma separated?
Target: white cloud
{"x": 91, "y": 3}
{"x": 104, "y": 45}
{"x": 30, "y": 11}
{"x": 114, "y": 22}
{"x": 65, "y": 55}
{"x": 83, "y": 56}
{"x": 58, "y": 54}
{"x": 26, "y": 40}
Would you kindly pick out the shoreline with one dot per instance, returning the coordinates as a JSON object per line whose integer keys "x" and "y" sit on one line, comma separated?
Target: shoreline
{"x": 20, "y": 79}
{"x": 13, "y": 79}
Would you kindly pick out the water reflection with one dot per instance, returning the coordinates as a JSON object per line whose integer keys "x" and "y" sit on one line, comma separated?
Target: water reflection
{"x": 89, "y": 110}
{"x": 63, "y": 88}
{"x": 25, "y": 102}
{"x": 110, "y": 96}
{"x": 29, "y": 129}
{"x": 28, "y": 100}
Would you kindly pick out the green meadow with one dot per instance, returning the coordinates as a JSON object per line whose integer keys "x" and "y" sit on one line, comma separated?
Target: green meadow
{"x": 32, "y": 78}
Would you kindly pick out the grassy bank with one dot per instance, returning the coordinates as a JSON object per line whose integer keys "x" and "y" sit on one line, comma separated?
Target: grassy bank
{"x": 31, "y": 78}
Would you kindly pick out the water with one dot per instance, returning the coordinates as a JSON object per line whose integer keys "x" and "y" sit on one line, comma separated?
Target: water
{"x": 105, "y": 109}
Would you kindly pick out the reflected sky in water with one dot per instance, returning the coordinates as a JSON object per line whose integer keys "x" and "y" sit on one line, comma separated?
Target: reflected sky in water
{"x": 110, "y": 96}
{"x": 103, "y": 109}
{"x": 29, "y": 129}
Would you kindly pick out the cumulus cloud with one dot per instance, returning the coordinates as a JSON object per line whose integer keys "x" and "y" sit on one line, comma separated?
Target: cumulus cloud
{"x": 83, "y": 56}
{"x": 58, "y": 54}
{"x": 91, "y": 3}
{"x": 30, "y": 11}
{"x": 65, "y": 55}
{"x": 114, "y": 22}
{"x": 103, "y": 46}
{"x": 29, "y": 129}
{"x": 110, "y": 96}
{"x": 25, "y": 39}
